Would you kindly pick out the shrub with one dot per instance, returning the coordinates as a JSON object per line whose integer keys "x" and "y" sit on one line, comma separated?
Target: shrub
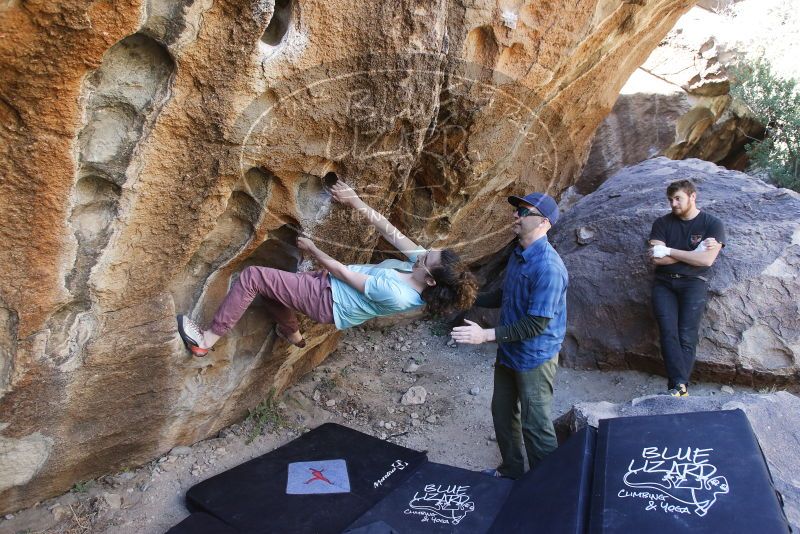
{"x": 775, "y": 102}
{"x": 266, "y": 415}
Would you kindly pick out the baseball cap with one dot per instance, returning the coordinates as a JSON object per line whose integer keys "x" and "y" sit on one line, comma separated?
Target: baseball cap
{"x": 541, "y": 201}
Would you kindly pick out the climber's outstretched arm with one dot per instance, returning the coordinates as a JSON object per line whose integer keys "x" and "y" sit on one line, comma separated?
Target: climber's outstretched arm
{"x": 355, "y": 280}
{"x": 344, "y": 194}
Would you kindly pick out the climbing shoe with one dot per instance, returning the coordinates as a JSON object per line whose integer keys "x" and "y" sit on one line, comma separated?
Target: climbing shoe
{"x": 191, "y": 334}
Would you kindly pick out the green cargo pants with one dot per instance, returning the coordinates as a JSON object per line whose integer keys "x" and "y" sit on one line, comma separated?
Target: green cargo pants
{"x": 521, "y": 413}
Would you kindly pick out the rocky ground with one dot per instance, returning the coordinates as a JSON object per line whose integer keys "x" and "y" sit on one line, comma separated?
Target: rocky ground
{"x": 361, "y": 385}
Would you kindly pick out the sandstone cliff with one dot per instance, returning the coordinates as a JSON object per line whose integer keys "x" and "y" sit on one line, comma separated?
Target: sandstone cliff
{"x": 678, "y": 103}
{"x": 151, "y": 149}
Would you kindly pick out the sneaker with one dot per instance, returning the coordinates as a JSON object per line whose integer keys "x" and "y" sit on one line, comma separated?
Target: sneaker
{"x": 191, "y": 334}
{"x": 491, "y": 472}
{"x": 678, "y": 391}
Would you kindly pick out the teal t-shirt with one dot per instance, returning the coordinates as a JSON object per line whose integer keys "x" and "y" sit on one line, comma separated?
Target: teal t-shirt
{"x": 384, "y": 293}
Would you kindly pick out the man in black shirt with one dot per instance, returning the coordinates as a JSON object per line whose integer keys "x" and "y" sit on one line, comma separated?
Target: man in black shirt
{"x": 684, "y": 245}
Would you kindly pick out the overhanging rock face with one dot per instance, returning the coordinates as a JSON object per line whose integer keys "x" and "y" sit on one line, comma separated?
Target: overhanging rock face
{"x": 751, "y": 329}
{"x": 151, "y": 150}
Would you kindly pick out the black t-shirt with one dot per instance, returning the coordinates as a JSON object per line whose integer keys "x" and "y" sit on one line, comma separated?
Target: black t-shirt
{"x": 686, "y": 235}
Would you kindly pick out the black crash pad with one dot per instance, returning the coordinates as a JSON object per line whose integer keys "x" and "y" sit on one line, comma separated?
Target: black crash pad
{"x": 553, "y": 498}
{"x": 253, "y": 498}
{"x": 200, "y": 523}
{"x": 437, "y": 498}
{"x": 700, "y": 472}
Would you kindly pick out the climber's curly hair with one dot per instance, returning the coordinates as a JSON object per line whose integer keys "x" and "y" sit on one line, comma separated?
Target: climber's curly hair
{"x": 456, "y": 287}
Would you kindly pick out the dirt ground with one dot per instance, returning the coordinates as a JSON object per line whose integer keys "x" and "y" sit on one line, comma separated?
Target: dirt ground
{"x": 360, "y": 385}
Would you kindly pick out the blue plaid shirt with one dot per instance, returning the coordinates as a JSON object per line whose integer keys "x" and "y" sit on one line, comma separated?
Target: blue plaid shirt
{"x": 535, "y": 284}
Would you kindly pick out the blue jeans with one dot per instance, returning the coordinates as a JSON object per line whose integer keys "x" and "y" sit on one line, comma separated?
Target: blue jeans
{"x": 678, "y": 304}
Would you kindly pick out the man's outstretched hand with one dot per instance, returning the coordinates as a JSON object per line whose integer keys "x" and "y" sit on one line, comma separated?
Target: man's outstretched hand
{"x": 345, "y": 195}
{"x": 471, "y": 334}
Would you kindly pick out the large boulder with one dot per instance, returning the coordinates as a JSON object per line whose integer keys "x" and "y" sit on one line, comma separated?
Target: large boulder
{"x": 697, "y": 56}
{"x": 151, "y": 149}
{"x": 775, "y": 419}
{"x": 751, "y": 329}
{"x": 641, "y": 125}
{"x": 678, "y": 102}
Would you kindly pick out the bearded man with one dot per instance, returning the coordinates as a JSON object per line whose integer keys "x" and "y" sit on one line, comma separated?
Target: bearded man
{"x": 684, "y": 245}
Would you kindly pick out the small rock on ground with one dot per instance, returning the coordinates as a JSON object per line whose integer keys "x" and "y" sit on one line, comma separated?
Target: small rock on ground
{"x": 414, "y": 395}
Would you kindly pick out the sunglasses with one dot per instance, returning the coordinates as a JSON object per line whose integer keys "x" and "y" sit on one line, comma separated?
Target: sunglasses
{"x": 422, "y": 260}
{"x": 528, "y": 212}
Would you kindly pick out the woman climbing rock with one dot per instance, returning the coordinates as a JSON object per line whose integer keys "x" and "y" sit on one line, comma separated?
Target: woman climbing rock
{"x": 344, "y": 295}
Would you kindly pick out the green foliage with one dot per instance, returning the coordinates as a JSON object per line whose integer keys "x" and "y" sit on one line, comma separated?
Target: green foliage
{"x": 81, "y": 487}
{"x": 327, "y": 384}
{"x": 266, "y": 414}
{"x": 439, "y": 327}
{"x": 775, "y": 102}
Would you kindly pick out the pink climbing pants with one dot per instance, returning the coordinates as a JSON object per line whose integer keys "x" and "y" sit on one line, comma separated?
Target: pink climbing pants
{"x": 283, "y": 292}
